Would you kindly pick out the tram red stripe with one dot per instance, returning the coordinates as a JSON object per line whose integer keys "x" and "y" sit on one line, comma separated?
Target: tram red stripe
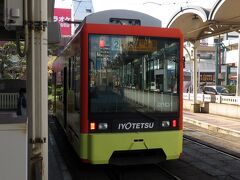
{"x": 120, "y": 30}
{"x": 84, "y": 82}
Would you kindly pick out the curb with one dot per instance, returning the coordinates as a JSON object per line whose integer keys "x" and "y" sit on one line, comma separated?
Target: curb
{"x": 212, "y": 127}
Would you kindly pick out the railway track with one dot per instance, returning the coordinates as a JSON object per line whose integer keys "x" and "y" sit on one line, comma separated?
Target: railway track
{"x": 141, "y": 172}
{"x": 171, "y": 175}
{"x": 206, "y": 145}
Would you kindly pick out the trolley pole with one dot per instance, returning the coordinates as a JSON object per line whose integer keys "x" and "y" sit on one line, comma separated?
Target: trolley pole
{"x": 37, "y": 90}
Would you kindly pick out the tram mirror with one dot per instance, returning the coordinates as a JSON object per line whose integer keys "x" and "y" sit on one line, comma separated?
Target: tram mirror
{"x": 54, "y": 33}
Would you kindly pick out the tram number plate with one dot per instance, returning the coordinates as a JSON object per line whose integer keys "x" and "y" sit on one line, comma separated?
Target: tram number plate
{"x": 116, "y": 44}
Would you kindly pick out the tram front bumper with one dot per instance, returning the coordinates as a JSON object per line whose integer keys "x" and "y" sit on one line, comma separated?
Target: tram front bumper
{"x": 98, "y": 148}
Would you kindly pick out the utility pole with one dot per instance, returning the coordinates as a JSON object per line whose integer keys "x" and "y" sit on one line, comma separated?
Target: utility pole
{"x": 37, "y": 89}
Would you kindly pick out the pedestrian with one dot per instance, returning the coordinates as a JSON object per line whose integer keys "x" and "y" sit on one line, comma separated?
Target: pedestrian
{"x": 22, "y": 103}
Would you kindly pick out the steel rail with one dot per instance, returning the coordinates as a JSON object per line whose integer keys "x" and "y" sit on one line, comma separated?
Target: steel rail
{"x": 118, "y": 174}
{"x": 168, "y": 173}
{"x": 210, "y": 147}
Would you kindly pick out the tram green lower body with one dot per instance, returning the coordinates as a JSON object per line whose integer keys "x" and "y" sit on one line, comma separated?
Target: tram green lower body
{"x": 97, "y": 148}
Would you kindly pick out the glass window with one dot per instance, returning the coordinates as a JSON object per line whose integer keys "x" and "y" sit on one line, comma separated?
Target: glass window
{"x": 74, "y": 96}
{"x": 221, "y": 89}
{"x": 212, "y": 90}
{"x": 133, "y": 73}
{"x": 76, "y": 82}
{"x": 207, "y": 89}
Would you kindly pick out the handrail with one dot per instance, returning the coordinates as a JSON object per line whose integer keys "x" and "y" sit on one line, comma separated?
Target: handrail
{"x": 8, "y": 101}
{"x": 234, "y": 100}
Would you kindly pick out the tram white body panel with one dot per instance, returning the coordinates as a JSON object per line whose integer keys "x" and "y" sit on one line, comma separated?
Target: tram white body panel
{"x": 103, "y": 17}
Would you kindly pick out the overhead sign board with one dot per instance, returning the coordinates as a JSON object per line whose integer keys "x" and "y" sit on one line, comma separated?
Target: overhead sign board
{"x": 61, "y": 16}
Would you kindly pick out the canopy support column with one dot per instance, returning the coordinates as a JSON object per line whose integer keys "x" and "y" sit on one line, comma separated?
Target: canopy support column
{"x": 238, "y": 69}
{"x": 195, "y": 107}
{"x": 37, "y": 91}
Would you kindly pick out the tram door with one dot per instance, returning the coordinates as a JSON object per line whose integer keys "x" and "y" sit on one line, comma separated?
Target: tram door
{"x": 65, "y": 97}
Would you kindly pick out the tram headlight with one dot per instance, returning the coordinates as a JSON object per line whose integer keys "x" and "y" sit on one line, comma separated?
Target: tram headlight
{"x": 103, "y": 126}
{"x": 165, "y": 123}
{"x": 92, "y": 126}
{"x": 174, "y": 123}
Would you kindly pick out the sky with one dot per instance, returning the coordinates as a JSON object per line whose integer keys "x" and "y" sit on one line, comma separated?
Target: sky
{"x": 163, "y": 10}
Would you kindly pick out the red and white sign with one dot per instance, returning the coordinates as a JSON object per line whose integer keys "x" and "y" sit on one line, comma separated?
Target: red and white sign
{"x": 61, "y": 15}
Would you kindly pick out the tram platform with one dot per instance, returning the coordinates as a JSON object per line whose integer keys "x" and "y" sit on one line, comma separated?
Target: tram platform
{"x": 13, "y": 126}
{"x": 216, "y": 123}
{"x": 57, "y": 168}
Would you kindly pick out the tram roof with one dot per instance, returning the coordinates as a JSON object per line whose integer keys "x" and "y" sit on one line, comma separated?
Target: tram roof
{"x": 104, "y": 17}
{"x": 198, "y": 23}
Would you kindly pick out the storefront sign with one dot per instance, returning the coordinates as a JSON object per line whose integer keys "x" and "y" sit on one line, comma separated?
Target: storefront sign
{"x": 61, "y": 16}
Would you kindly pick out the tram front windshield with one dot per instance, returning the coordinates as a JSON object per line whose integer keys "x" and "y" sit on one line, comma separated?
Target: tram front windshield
{"x": 133, "y": 74}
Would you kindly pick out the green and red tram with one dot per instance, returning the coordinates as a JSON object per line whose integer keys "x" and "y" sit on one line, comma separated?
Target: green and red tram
{"x": 118, "y": 91}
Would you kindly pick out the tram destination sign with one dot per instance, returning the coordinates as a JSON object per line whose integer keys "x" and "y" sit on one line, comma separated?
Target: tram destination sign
{"x": 140, "y": 45}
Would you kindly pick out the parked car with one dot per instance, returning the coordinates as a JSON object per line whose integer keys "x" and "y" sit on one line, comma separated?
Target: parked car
{"x": 216, "y": 90}
{"x": 153, "y": 86}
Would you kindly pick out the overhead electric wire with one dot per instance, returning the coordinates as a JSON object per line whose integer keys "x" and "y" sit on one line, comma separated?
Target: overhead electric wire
{"x": 172, "y": 3}
{"x": 79, "y": 2}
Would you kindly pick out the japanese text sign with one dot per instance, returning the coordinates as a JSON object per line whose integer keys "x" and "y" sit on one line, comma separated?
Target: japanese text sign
{"x": 61, "y": 16}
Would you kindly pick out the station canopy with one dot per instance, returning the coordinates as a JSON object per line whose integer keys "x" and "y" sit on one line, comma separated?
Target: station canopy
{"x": 197, "y": 23}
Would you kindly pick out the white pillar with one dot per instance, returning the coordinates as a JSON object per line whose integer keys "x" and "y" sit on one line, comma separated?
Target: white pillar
{"x": 238, "y": 69}
{"x": 199, "y": 79}
{"x": 37, "y": 91}
{"x": 195, "y": 107}
{"x": 195, "y": 70}
{"x": 191, "y": 60}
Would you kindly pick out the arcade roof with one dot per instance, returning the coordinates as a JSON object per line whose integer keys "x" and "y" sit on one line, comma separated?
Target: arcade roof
{"x": 198, "y": 23}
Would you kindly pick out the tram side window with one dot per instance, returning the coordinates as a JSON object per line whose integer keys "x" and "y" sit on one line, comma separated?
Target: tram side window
{"x": 70, "y": 92}
{"x": 70, "y": 73}
{"x": 73, "y": 99}
{"x": 59, "y": 87}
{"x": 76, "y": 81}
